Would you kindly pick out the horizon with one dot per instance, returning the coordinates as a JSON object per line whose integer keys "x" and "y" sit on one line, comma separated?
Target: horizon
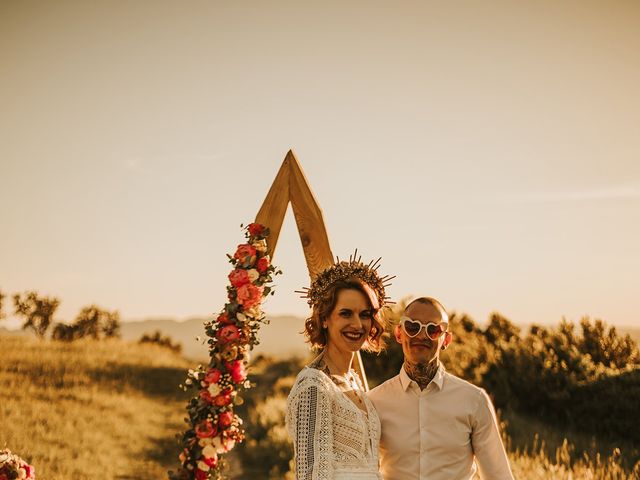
{"x": 489, "y": 153}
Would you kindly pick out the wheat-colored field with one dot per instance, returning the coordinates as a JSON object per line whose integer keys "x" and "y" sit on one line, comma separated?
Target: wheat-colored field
{"x": 110, "y": 410}
{"x": 91, "y": 410}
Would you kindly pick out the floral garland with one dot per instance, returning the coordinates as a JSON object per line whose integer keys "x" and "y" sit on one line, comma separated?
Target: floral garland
{"x": 214, "y": 428}
{"x": 13, "y": 467}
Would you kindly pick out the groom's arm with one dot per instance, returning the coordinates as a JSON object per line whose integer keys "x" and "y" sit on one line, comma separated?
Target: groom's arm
{"x": 487, "y": 443}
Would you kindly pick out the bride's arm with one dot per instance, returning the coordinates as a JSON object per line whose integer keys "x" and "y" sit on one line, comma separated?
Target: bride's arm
{"x": 310, "y": 426}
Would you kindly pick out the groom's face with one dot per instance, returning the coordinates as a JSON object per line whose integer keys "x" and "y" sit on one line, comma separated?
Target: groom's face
{"x": 420, "y": 349}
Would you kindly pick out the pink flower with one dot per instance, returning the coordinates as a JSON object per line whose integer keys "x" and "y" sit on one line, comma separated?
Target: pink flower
{"x": 249, "y": 295}
{"x": 237, "y": 371}
{"x": 246, "y": 254}
{"x": 239, "y": 277}
{"x": 256, "y": 229}
{"x": 212, "y": 376}
{"x": 263, "y": 264}
{"x": 228, "y": 333}
{"x": 225, "y": 419}
{"x": 206, "y": 429}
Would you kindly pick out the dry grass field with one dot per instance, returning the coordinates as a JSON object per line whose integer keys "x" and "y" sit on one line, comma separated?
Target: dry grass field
{"x": 110, "y": 410}
{"x": 90, "y": 410}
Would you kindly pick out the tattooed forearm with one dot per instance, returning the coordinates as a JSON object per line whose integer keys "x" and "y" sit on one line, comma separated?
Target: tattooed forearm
{"x": 422, "y": 373}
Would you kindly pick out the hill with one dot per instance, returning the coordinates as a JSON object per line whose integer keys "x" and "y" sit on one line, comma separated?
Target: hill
{"x": 91, "y": 410}
{"x": 281, "y": 338}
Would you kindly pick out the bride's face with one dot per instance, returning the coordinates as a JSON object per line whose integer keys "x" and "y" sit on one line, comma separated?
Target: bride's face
{"x": 349, "y": 323}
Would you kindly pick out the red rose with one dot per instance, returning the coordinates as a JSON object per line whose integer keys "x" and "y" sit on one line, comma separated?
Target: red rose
{"x": 256, "y": 229}
{"x": 246, "y": 254}
{"x": 249, "y": 295}
{"x": 237, "y": 371}
{"x": 200, "y": 475}
{"x": 206, "y": 396}
{"x": 212, "y": 376}
{"x": 211, "y": 461}
{"x": 224, "y": 319}
{"x": 228, "y": 333}
{"x": 225, "y": 419}
{"x": 263, "y": 264}
{"x": 239, "y": 277}
{"x": 206, "y": 429}
{"x": 3, "y": 477}
{"x": 222, "y": 399}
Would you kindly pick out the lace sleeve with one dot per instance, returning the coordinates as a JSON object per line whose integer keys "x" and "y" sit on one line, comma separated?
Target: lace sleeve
{"x": 310, "y": 427}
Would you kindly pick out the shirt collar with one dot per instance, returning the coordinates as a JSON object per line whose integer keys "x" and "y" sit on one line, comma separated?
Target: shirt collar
{"x": 438, "y": 379}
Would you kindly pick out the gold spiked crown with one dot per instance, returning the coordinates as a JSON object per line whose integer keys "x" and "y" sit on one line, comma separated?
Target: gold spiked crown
{"x": 343, "y": 270}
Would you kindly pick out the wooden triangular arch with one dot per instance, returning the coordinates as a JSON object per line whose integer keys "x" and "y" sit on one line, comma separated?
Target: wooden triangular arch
{"x": 291, "y": 185}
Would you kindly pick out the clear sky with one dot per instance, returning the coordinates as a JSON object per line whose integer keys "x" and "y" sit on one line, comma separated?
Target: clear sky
{"x": 489, "y": 151}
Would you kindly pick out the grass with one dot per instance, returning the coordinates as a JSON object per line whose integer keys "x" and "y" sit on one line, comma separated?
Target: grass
{"x": 110, "y": 410}
{"x": 91, "y": 410}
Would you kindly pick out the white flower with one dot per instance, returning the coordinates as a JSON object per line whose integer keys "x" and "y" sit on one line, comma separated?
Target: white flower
{"x": 203, "y": 466}
{"x": 188, "y": 381}
{"x": 203, "y": 442}
{"x": 253, "y": 274}
{"x": 209, "y": 451}
{"x": 241, "y": 317}
{"x": 260, "y": 245}
{"x": 22, "y": 473}
{"x": 214, "y": 389}
{"x": 217, "y": 444}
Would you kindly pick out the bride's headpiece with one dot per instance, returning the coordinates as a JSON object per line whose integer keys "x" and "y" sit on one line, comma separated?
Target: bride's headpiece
{"x": 343, "y": 270}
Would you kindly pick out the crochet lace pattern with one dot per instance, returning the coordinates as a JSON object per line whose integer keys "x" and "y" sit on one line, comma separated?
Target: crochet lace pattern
{"x": 331, "y": 435}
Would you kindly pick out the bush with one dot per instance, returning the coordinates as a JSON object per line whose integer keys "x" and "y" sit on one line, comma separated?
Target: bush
{"x": 164, "y": 341}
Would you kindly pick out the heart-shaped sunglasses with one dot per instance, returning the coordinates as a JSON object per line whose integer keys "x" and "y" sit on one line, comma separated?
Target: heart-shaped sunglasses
{"x": 433, "y": 330}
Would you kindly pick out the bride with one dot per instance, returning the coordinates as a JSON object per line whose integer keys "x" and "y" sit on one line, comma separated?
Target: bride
{"x": 334, "y": 427}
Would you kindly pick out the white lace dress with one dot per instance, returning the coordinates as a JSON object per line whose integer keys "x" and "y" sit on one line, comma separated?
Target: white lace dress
{"x": 333, "y": 439}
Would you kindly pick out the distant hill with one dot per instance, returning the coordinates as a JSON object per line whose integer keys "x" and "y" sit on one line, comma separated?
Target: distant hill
{"x": 281, "y": 338}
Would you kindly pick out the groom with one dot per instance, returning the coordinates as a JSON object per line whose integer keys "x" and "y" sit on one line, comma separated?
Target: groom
{"x": 435, "y": 425}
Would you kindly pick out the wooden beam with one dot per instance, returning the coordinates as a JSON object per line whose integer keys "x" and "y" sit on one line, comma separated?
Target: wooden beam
{"x": 274, "y": 207}
{"x": 291, "y": 185}
{"x": 309, "y": 219}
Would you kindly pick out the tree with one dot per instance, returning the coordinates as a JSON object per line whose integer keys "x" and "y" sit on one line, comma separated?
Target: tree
{"x": 37, "y": 311}
{"x": 95, "y": 322}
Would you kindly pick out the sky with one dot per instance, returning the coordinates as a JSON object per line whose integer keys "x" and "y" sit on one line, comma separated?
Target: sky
{"x": 488, "y": 151}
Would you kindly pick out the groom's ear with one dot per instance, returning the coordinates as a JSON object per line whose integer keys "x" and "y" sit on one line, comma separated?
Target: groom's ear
{"x": 448, "y": 337}
{"x": 396, "y": 333}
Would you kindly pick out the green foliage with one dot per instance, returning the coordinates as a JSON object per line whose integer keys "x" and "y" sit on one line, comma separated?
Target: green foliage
{"x": 268, "y": 446}
{"x": 92, "y": 322}
{"x": 37, "y": 311}
{"x": 568, "y": 376}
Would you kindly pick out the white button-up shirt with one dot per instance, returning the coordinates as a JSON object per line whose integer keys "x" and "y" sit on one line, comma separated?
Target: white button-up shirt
{"x": 435, "y": 433}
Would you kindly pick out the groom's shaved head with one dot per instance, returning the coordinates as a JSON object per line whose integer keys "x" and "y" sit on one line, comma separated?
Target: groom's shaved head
{"x": 429, "y": 301}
